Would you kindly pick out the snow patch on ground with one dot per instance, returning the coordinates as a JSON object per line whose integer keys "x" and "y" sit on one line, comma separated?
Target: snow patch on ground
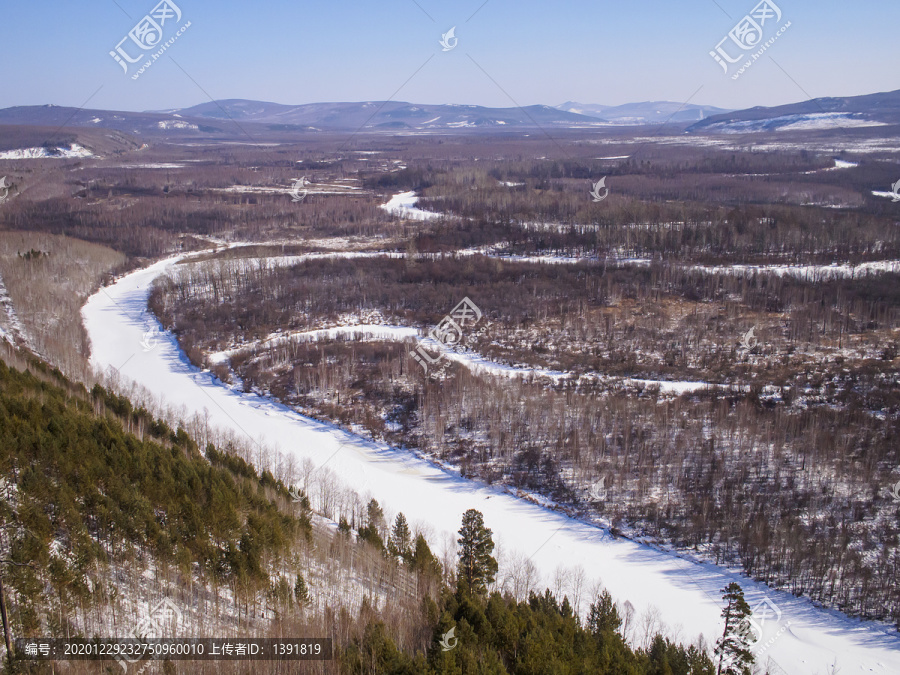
{"x": 807, "y": 272}
{"x": 842, "y": 164}
{"x": 289, "y": 189}
{"x": 75, "y": 151}
{"x": 831, "y": 146}
{"x": 403, "y": 205}
{"x": 176, "y": 124}
{"x": 889, "y": 195}
{"x": 160, "y": 165}
{"x": 356, "y": 332}
{"x": 798, "y": 122}
{"x": 15, "y": 331}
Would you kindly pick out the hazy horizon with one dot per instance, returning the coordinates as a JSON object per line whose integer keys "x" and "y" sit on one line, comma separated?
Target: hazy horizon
{"x": 417, "y": 102}
{"x": 503, "y": 54}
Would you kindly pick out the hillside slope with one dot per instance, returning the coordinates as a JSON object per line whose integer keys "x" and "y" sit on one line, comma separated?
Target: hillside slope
{"x": 108, "y": 511}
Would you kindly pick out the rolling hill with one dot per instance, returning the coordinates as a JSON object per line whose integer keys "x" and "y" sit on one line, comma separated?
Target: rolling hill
{"x": 819, "y": 113}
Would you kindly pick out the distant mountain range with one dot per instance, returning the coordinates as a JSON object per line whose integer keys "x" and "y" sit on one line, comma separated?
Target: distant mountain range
{"x": 651, "y": 112}
{"x": 228, "y": 119}
{"x": 220, "y": 117}
{"x": 386, "y": 115}
{"x": 380, "y": 115}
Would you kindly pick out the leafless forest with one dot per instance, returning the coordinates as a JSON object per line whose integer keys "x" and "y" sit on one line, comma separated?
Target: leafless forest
{"x": 707, "y": 359}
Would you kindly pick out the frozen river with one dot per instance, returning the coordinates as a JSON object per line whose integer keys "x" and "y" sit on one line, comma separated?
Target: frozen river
{"x": 806, "y": 640}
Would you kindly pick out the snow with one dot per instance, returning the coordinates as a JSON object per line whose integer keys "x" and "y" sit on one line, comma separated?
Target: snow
{"x": 478, "y": 363}
{"x": 895, "y": 196}
{"x": 403, "y": 205}
{"x": 473, "y": 361}
{"x": 807, "y": 272}
{"x": 841, "y": 164}
{"x": 15, "y": 330}
{"x": 160, "y": 165}
{"x": 828, "y": 121}
{"x": 356, "y": 332}
{"x": 176, "y": 124}
{"x": 799, "y": 122}
{"x": 834, "y": 144}
{"x": 687, "y": 594}
{"x": 547, "y": 259}
{"x": 75, "y": 151}
{"x": 289, "y": 189}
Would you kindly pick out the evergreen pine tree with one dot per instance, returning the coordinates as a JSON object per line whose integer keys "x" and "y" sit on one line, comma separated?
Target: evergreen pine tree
{"x": 604, "y": 615}
{"x": 733, "y": 648}
{"x": 477, "y": 567}
{"x": 301, "y": 592}
{"x": 423, "y": 560}
{"x": 374, "y": 525}
{"x": 399, "y": 543}
{"x": 375, "y": 516}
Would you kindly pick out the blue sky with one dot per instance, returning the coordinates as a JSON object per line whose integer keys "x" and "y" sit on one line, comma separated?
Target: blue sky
{"x": 529, "y": 51}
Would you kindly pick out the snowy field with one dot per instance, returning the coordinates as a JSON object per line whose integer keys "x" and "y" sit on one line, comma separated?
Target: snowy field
{"x": 687, "y": 594}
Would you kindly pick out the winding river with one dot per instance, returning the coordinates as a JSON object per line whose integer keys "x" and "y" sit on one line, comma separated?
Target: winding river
{"x": 804, "y": 639}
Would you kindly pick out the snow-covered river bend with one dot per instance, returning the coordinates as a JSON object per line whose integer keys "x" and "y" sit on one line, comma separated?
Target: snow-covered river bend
{"x": 807, "y": 640}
